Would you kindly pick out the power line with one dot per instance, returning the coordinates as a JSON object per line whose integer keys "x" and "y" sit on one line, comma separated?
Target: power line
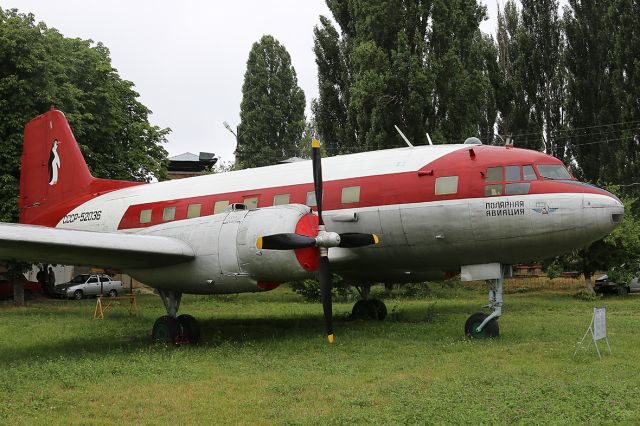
{"x": 579, "y": 128}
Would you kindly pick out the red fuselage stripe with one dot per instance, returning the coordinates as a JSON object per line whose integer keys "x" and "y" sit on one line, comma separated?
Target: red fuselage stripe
{"x": 390, "y": 189}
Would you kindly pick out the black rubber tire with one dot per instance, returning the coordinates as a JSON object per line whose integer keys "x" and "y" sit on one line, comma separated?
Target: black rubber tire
{"x": 490, "y": 330}
{"x": 78, "y": 295}
{"x": 364, "y": 310}
{"x": 165, "y": 330}
{"x": 190, "y": 328}
{"x": 380, "y": 308}
{"x": 113, "y": 293}
{"x": 623, "y": 291}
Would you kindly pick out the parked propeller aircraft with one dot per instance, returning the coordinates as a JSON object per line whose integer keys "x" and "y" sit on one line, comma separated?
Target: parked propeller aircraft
{"x": 398, "y": 215}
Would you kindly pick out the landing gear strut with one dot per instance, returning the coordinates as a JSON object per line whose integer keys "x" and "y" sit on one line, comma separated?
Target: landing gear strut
{"x": 174, "y": 329}
{"x": 481, "y": 325}
{"x": 366, "y": 308}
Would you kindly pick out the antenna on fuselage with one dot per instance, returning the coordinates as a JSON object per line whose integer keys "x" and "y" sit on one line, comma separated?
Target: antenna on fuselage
{"x": 508, "y": 142}
{"x": 429, "y": 139}
{"x": 403, "y": 136}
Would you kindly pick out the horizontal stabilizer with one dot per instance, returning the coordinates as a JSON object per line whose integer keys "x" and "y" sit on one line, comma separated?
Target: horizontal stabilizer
{"x": 109, "y": 250}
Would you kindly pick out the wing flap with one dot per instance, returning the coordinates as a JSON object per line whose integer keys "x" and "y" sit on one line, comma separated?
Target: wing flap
{"x": 70, "y": 247}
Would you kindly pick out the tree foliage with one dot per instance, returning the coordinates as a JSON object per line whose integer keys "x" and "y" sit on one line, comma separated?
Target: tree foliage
{"x": 532, "y": 93}
{"x": 603, "y": 41}
{"x": 39, "y": 67}
{"x": 272, "y": 109}
{"x": 423, "y": 66}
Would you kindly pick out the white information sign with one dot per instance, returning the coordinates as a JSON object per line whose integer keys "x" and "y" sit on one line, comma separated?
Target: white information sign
{"x": 598, "y": 331}
{"x": 599, "y": 323}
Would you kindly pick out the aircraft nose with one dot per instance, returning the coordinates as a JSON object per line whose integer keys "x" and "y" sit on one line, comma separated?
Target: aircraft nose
{"x": 605, "y": 209}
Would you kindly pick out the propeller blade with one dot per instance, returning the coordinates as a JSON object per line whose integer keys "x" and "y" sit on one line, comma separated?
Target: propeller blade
{"x": 317, "y": 176}
{"x": 357, "y": 239}
{"x": 325, "y": 292}
{"x": 285, "y": 242}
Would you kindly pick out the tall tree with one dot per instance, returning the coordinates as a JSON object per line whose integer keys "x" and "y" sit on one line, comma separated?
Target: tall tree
{"x": 543, "y": 34}
{"x": 40, "y": 67}
{"x": 591, "y": 103}
{"x": 421, "y": 65}
{"x": 626, "y": 84}
{"x": 463, "y": 89}
{"x": 272, "y": 109}
{"x": 530, "y": 46}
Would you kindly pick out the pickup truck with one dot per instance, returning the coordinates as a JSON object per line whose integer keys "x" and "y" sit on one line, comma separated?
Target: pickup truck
{"x": 89, "y": 285}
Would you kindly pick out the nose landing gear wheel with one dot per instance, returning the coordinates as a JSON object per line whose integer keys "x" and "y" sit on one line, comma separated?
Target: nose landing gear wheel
{"x": 490, "y": 330}
{"x": 165, "y": 330}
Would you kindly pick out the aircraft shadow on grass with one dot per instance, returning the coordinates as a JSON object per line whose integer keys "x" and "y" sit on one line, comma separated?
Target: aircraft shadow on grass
{"x": 217, "y": 332}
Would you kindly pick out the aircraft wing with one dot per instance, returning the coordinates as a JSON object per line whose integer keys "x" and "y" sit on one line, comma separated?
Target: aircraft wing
{"x": 70, "y": 247}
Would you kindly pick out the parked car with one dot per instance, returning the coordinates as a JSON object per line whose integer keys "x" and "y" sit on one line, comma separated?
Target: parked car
{"x": 6, "y": 287}
{"x": 604, "y": 286}
{"x": 84, "y": 285}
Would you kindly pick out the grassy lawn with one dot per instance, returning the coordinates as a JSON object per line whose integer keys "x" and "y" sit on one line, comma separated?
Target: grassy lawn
{"x": 264, "y": 361}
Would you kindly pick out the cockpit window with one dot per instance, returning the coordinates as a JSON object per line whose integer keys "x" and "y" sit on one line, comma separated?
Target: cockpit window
{"x": 494, "y": 174}
{"x": 512, "y": 173}
{"x": 528, "y": 173}
{"x": 553, "y": 171}
{"x": 518, "y": 188}
{"x": 492, "y": 190}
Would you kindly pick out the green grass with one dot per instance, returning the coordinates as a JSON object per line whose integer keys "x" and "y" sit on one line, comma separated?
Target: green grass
{"x": 264, "y": 361}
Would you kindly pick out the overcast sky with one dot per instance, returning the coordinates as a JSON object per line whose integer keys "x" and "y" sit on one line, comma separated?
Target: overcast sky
{"x": 187, "y": 59}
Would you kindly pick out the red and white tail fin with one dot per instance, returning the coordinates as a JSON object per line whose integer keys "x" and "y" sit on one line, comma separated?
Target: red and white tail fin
{"x": 54, "y": 176}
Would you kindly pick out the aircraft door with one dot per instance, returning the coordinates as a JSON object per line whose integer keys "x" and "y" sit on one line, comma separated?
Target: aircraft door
{"x": 228, "y": 242}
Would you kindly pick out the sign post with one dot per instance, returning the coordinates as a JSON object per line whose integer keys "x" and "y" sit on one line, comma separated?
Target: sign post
{"x": 597, "y": 329}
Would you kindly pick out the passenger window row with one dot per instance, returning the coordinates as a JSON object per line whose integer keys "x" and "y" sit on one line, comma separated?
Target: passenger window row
{"x": 350, "y": 194}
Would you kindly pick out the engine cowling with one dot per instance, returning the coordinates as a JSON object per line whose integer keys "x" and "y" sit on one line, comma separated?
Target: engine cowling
{"x": 228, "y": 260}
{"x": 273, "y": 265}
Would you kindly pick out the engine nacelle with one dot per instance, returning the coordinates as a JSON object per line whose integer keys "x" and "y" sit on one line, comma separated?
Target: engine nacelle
{"x": 271, "y": 265}
{"x": 227, "y": 258}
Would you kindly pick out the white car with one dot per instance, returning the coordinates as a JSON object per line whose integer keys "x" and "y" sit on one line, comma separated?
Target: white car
{"x": 89, "y": 285}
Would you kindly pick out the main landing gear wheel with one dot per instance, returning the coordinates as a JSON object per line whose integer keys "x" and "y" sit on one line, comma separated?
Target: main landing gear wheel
{"x": 371, "y": 309}
{"x": 165, "y": 330}
{"x": 380, "y": 307}
{"x": 190, "y": 328}
{"x": 490, "y": 330}
{"x": 174, "y": 330}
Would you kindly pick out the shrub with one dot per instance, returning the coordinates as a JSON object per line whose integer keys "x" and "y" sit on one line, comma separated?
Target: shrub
{"x": 310, "y": 289}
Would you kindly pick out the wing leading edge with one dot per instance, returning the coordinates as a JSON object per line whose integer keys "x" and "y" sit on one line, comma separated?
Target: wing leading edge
{"x": 70, "y": 247}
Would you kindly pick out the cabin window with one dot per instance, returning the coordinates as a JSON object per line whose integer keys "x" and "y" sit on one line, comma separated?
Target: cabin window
{"x": 494, "y": 174}
{"x": 145, "y": 216}
{"x": 193, "y": 210}
{"x": 553, "y": 171}
{"x": 446, "y": 185}
{"x": 251, "y": 202}
{"x": 281, "y": 199}
{"x": 350, "y": 194}
{"x": 492, "y": 190}
{"x": 512, "y": 173}
{"x": 528, "y": 173}
{"x": 220, "y": 206}
{"x": 518, "y": 188}
{"x": 169, "y": 213}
